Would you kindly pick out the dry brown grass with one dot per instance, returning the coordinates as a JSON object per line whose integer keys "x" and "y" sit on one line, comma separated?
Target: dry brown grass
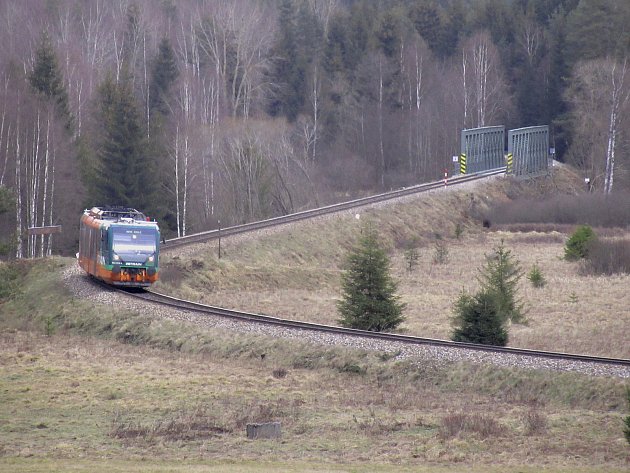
{"x": 176, "y": 408}
{"x": 295, "y": 273}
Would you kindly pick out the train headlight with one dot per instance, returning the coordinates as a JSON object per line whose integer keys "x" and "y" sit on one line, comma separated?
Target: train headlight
{"x": 151, "y": 259}
{"x": 116, "y": 257}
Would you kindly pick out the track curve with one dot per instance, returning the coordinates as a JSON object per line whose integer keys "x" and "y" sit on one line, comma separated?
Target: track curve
{"x": 621, "y": 367}
{"x": 204, "y": 309}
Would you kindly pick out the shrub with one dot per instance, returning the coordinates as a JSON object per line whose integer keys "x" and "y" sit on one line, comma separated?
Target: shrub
{"x": 535, "y": 422}
{"x": 459, "y": 231}
{"x": 411, "y": 254}
{"x": 9, "y": 280}
{"x": 536, "y": 277}
{"x": 626, "y": 421}
{"x": 477, "y": 320}
{"x": 440, "y": 255}
{"x": 280, "y": 373}
{"x": 483, "y": 425}
{"x": 597, "y": 210}
{"x": 607, "y": 257}
{"x": 577, "y": 245}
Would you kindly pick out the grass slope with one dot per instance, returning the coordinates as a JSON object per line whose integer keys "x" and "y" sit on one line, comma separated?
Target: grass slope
{"x": 294, "y": 272}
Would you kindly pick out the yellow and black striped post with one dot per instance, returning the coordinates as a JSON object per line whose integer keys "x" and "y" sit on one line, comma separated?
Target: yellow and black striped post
{"x": 462, "y": 163}
{"x": 509, "y": 163}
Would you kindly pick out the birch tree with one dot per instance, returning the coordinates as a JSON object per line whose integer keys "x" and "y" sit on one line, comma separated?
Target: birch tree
{"x": 619, "y": 94}
{"x": 599, "y": 97}
{"x": 236, "y": 38}
{"x": 484, "y": 88}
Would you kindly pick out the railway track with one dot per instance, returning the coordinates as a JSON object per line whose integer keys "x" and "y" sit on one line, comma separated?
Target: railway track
{"x": 211, "y": 311}
{"x": 329, "y": 209}
{"x": 404, "y": 340}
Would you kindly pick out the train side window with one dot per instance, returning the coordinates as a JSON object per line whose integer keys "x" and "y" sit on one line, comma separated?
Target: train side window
{"x": 104, "y": 250}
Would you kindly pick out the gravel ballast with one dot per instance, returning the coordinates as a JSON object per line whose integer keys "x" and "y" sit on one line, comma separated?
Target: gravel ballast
{"x": 83, "y": 287}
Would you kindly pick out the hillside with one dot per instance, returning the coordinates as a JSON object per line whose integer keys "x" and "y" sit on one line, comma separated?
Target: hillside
{"x": 294, "y": 272}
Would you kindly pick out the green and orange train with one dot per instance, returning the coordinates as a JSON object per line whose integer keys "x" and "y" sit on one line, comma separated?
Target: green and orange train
{"x": 119, "y": 246}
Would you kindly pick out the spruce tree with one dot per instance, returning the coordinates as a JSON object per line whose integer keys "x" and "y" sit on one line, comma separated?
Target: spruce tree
{"x": 289, "y": 74}
{"x": 369, "y": 300}
{"x": 46, "y": 78}
{"x": 124, "y": 174}
{"x": 163, "y": 76}
{"x": 477, "y": 320}
{"x": 499, "y": 278}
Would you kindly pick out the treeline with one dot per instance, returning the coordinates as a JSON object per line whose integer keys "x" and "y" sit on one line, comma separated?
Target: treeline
{"x": 200, "y": 111}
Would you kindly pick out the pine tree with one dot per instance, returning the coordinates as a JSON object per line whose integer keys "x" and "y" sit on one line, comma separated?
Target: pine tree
{"x": 369, "y": 300}
{"x": 124, "y": 174}
{"x": 46, "y": 78}
{"x": 477, "y": 320}
{"x": 499, "y": 278}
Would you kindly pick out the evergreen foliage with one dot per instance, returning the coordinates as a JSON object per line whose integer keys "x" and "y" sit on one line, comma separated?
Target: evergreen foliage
{"x": 499, "y": 278}
{"x": 536, "y": 277}
{"x": 124, "y": 173}
{"x": 411, "y": 254}
{"x": 46, "y": 78}
{"x": 477, "y": 320}
{"x": 9, "y": 280}
{"x": 577, "y": 245}
{"x": 7, "y": 203}
{"x": 7, "y": 200}
{"x": 440, "y": 255}
{"x": 163, "y": 77}
{"x": 290, "y": 67}
{"x": 369, "y": 300}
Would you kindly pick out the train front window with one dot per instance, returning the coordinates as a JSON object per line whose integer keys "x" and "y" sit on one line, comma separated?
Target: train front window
{"x": 134, "y": 241}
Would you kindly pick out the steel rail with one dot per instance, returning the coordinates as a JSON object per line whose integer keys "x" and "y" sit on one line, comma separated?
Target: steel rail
{"x": 181, "y": 304}
{"x": 328, "y": 209}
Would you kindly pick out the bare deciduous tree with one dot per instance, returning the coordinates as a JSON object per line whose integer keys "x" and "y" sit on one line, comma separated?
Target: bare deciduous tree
{"x": 484, "y": 88}
{"x": 599, "y": 98}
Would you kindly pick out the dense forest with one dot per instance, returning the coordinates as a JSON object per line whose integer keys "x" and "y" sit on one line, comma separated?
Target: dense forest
{"x": 211, "y": 112}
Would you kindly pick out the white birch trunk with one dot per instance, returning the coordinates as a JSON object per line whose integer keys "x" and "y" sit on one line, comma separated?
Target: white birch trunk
{"x": 315, "y": 113}
{"x": 45, "y": 189}
{"x": 52, "y": 201}
{"x": 4, "y": 111}
{"x": 617, "y": 100}
{"x": 466, "y": 106}
{"x": 177, "y": 213}
{"x": 380, "y": 121}
{"x": 185, "y": 196}
{"x": 34, "y": 186}
{"x": 19, "y": 252}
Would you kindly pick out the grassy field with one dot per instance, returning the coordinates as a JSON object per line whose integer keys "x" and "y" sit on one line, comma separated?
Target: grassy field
{"x": 86, "y": 388}
{"x": 295, "y": 273}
